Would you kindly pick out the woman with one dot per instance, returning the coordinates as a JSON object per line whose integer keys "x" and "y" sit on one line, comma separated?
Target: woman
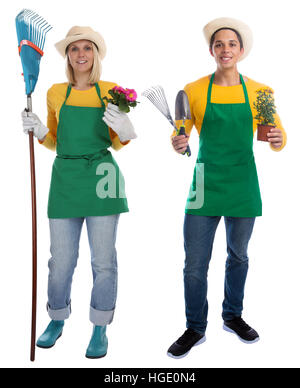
{"x": 222, "y": 111}
{"x": 86, "y": 183}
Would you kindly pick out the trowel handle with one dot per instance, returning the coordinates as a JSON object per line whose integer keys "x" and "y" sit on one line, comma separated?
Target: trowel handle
{"x": 181, "y": 131}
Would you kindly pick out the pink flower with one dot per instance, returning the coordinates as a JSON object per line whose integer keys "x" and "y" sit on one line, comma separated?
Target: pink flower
{"x": 131, "y": 94}
{"x": 119, "y": 89}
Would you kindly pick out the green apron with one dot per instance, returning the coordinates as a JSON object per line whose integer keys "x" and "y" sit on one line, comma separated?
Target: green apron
{"x": 225, "y": 174}
{"x": 86, "y": 180}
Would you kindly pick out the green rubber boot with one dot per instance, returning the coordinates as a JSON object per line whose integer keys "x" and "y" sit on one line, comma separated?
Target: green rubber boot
{"x": 50, "y": 335}
{"x": 98, "y": 344}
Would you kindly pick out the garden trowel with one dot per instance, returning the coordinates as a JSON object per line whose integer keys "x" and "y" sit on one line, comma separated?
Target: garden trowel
{"x": 182, "y": 112}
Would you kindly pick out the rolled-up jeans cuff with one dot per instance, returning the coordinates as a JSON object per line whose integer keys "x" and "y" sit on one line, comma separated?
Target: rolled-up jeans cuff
{"x": 101, "y": 318}
{"x": 59, "y": 315}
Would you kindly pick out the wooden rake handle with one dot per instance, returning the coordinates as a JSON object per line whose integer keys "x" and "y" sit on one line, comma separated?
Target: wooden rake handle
{"x": 34, "y": 238}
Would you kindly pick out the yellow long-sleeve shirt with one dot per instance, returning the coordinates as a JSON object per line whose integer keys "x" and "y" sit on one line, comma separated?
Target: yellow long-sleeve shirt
{"x": 55, "y": 98}
{"x": 197, "y": 95}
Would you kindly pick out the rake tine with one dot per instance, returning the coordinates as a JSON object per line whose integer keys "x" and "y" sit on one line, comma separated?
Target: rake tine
{"x": 44, "y": 28}
{"x": 163, "y": 97}
{"x": 156, "y": 95}
{"x": 30, "y": 19}
{"x": 33, "y": 31}
{"x": 35, "y": 21}
{"x": 42, "y": 23}
{"x": 37, "y": 37}
{"x": 48, "y": 28}
{"x": 156, "y": 103}
{"x": 26, "y": 14}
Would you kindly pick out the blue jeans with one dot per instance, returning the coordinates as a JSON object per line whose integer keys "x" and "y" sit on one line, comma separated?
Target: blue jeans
{"x": 199, "y": 233}
{"x": 65, "y": 236}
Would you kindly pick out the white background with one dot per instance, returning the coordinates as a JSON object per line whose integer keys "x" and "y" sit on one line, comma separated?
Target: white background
{"x": 154, "y": 42}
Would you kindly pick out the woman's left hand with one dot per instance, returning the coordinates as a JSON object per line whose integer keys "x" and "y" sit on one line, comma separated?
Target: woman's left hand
{"x": 119, "y": 122}
{"x": 275, "y": 137}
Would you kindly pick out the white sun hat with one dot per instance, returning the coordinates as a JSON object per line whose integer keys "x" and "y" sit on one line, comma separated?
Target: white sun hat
{"x": 225, "y": 22}
{"x": 82, "y": 33}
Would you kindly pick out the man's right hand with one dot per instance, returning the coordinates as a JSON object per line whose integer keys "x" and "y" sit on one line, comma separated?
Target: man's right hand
{"x": 180, "y": 143}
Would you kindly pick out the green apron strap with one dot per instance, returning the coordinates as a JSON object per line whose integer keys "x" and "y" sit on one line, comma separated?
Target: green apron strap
{"x": 99, "y": 93}
{"x": 245, "y": 90}
{"x": 209, "y": 88}
{"x": 68, "y": 92}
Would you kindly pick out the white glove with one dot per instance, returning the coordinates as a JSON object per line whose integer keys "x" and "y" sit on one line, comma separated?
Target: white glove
{"x": 119, "y": 122}
{"x": 31, "y": 122}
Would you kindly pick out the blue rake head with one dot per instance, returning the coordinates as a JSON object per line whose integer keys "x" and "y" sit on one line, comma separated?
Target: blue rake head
{"x": 31, "y": 32}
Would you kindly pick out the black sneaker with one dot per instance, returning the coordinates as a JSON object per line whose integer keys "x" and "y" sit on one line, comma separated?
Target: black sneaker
{"x": 184, "y": 344}
{"x": 239, "y": 327}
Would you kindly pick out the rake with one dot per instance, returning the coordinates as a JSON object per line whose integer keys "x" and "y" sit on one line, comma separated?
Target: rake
{"x": 158, "y": 98}
{"x": 31, "y": 33}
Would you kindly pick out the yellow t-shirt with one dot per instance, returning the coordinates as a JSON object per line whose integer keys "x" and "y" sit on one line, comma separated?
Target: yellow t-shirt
{"x": 197, "y": 94}
{"x": 55, "y": 98}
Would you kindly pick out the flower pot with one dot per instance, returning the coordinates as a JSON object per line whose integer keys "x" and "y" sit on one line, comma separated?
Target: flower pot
{"x": 262, "y": 131}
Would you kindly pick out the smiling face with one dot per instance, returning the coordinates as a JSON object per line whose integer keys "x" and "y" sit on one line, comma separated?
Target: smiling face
{"x": 81, "y": 56}
{"x": 226, "y": 49}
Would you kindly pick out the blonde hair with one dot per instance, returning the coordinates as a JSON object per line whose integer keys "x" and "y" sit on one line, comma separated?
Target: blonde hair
{"x": 95, "y": 72}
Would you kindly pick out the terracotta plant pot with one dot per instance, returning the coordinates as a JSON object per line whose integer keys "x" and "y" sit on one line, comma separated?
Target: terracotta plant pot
{"x": 262, "y": 131}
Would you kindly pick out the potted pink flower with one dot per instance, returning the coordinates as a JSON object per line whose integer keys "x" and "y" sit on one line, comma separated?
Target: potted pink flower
{"x": 123, "y": 98}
